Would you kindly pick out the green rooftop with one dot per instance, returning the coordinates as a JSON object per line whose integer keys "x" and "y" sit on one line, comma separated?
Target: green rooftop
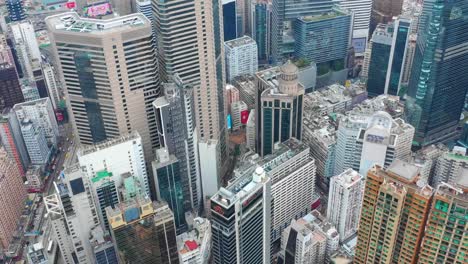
{"x": 101, "y": 175}
{"x": 456, "y": 156}
{"x": 335, "y": 12}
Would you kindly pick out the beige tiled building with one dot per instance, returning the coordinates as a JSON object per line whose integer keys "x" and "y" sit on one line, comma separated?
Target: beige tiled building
{"x": 109, "y": 70}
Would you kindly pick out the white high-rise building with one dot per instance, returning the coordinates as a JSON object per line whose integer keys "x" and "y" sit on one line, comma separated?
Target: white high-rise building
{"x": 362, "y": 14}
{"x": 236, "y": 114}
{"x": 250, "y": 130}
{"x": 292, "y": 172}
{"x": 309, "y": 243}
{"x": 53, "y": 86}
{"x": 450, "y": 166}
{"x": 367, "y": 135}
{"x": 384, "y": 140}
{"x": 310, "y": 239}
{"x": 23, "y": 32}
{"x": 72, "y": 209}
{"x": 241, "y": 57}
{"x": 241, "y": 218}
{"x": 119, "y": 156}
{"x": 35, "y": 141}
{"x": 41, "y": 113}
{"x": 344, "y": 202}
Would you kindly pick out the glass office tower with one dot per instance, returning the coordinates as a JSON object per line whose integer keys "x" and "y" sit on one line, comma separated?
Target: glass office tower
{"x": 229, "y": 19}
{"x": 143, "y": 232}
{"x": 437, "y": 87}
{"x": 388, "y": 53}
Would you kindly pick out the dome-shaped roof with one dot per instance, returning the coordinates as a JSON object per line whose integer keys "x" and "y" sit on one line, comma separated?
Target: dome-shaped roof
{"x": 289, "y": 68}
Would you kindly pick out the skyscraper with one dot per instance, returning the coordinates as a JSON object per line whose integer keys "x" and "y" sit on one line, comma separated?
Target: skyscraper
{"x": 393, "y": 215}
{"x": 12, "y": 197}
{"x": 445, "y": 237}
{"x": 178, "y": 134}
{"x": 10, "y": 88}
{"x": 368, "y": 136}
{"x": 29, "y": 55}
{"x": 241, "y": 57}
{"x": 41, "y": 113}
{"x": 118, "y": 156}
{"x": 53, "y": 87}
{"x": 12, "y": 140}
{"x": 261, "y": 27}
{"x": 323, "y": 38}
{"x": 362, "y": 10}
{"x": 310, "y": 239}
{"x": 24, "y": 33}
{"x": 345, "y": 201}
{"x": 35, "y": 141}
{"x": 437, "y": 89}
{"x": 144, "y": 232}
{"x": 229, "y": 19}
{"x": 283, "y": 16}
{"x": 109, "y": 71}
{"x": 279, "y": 106}
{"x": 386, "y": 66}
{"x": 104, "y": 192}
{"x": 73, "y": 215}
{"x": 292, "y": 173}
{"x": 450, "y": 166}
{"x": 241, "y": 218}
{"x": 199, "y": 36}
{"x": 168, "y": 186}
{"x": 16, "y": 10}
{"x": 302, "y": 243}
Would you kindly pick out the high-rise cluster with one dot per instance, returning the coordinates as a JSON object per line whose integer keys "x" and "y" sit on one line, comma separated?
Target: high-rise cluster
{"x": 233, "y": 131}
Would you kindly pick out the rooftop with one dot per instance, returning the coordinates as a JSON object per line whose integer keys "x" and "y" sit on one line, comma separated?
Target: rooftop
{"x": 101, "y": 175}
{"x": 245, "y": 40}
{"x": 404, "y": 169}
{"x": 41, "y": 101}
{"x": 241, "y": 187}
{"x": 282, "y": 153}
{"x": 85, "y": 150}
{"x": 72, "y": 22}
{"x": 335, "y": 12}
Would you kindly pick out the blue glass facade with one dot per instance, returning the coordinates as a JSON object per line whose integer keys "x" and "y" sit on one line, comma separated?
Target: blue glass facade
{"x": 283, "y": 14}
{"x": 282, "y": 119}
{"x": 16, "y": 10}
{"x": 106, "y": 256}
{"x": 439, "y": 78}
{"x": 170, "y": 190}
{"x": 261, "y": 29}
{"x": 378, "y": 68}
{"x": 89, "y": 91}
{"x": 230, "y": 20}
{"x": 323, "y": 38}
{"x": 398, "y": 56}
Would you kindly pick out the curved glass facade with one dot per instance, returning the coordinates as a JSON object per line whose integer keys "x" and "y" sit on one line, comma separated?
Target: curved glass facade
{"x": 438, "y": 80}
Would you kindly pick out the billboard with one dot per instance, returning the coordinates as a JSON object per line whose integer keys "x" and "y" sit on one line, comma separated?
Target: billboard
{"x": 229, "y": 121}
{"x": 359, "y": 44}
{"x": 97, "y": 10}
{"x": 244, "y": 116}
{"x": 71, "y": 5}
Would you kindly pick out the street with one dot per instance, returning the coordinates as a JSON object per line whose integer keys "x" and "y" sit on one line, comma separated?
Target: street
{"x": 64, "y": 144}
